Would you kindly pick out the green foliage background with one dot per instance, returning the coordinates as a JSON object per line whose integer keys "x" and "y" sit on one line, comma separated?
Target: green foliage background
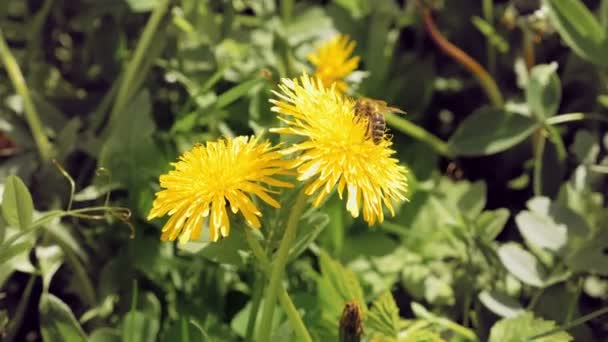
{"x": 504, "y": 237}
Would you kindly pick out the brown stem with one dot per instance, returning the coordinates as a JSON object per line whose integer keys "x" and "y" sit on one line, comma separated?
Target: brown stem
{"x": 484, "y": 78}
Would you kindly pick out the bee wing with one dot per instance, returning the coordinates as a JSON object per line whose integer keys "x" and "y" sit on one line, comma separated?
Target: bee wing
{"x": 395, "y": 110}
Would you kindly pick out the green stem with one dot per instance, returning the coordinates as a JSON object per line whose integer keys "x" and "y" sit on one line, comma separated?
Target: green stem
{"x": 598, "y": 168}
{"x": 488, "y": 15}
{"x": 255, "y": 304}
{"x": 538, "y": 163}
{"x": 21, "y": 308}
{"x": 574, "y": 300}
{"x": 45, "y": 149}
{"x": 286, "y": 10}
{"x": 572, "y": 324}
{"x": 278, "y": 267}
{"x": 570, "y": 117}
{"x": 290, "y": 309}
{"x": 419, "y": 133}
{"x": 127, "y": 83}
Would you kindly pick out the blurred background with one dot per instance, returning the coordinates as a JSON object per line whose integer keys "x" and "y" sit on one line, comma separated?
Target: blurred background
{"x": 504, "y": 236}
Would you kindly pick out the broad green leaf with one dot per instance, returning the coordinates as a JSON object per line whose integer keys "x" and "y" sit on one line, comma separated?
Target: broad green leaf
{"x": 336, "y": 285}
{"x": 8, "y": 252}
{"x": 541, "y": 230}
{"x": 500, "y": 304}
{"x": 226, "y": 251}
{"x": 17, "y": 259}
{"x": 488, "y": 131}
{"x": 139, "y": 327}
{"x": 524, "y": 326}
{"x": 592, "y": 255}
{"x": 586, "y": 146}
{"x": 551, "y": 226}
{"x": 543, "y": 91}
{"x": 105, "y": 335}
{"x": 57, "y": 322}
{"x": 17, "y": 204}
{"x": 50, "y": 259}
{"x": 579, "y": 29}
{"x": 472, "y": 202}
{"x": 383, "y": 317}
{"x": 356, "y": 8}
{"x": 491, "y": 222}
{"x": 522, "y": 264}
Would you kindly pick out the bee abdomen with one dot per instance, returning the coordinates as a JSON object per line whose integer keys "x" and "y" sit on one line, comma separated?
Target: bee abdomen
{"x": 378, "y": 127}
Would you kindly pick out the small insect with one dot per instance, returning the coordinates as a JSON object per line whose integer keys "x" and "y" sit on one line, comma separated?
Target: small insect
{"x": 373, "y": 111}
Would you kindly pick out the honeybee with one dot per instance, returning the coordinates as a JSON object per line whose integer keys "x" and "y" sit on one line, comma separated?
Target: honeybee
{"x": 373, "y": 111}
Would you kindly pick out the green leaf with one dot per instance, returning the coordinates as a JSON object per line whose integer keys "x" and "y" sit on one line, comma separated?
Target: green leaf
{"x": 236, "y": 93}
{"x": 488, "y": 131}
{"x": 500, "y": 304}
{"x": 579, "y": 29}
{"x": 592, "y": 255}
{"x": 50, "y": 259}
{"x": 336, "y": 285}
{"x": 105, "y": 335}
{"x": 549, "y": 225}
{"x": 17, "y": 204}
{"x": 139, "y": 327}
{"x": 183, "y": 330}
{"x": 383, "y": 317}
{"x": 491, "y": 222}
{"x": 356, "y": 8}
{"x": 57, "y": 322}
{"x": 7, "y": 253}
{"x": 543, "y": 91}
{"x": 523, "y": 326}
{"x": 493, "y": 37}
{"x": 522, "y": 264}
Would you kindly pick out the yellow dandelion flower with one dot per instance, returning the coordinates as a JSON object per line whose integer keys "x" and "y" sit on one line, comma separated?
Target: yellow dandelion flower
{"x": 333, "y": 61}
{"x": 210, "y": 177}
{"x": 336, "y": 150}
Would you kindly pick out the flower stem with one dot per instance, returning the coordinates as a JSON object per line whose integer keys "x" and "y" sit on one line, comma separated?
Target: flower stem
{"x": 419, "y": 133}
{"x": 487, "y": 82}
{"x": 17, "y": 318}
{"x": 290, "y": 309}
{"x": 276, "y": 273}
{"x": 570, "y": 117}
{"x": 256, "y": 299}
{"x": 286, "y": 10}
{"x": 128, "y": 83}
{"x": 538, "y": 162}
{"x": 45, "y": 149}
{"x": 488, "y": 15}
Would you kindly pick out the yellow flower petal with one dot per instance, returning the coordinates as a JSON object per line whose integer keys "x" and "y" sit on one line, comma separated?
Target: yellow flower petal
{"x": 333, "y": 61}
{"x": 208, "y": 178}
{"x": 336, "y": 152}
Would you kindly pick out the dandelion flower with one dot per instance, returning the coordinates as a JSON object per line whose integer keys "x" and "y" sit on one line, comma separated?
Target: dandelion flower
{"x": 336, "y": 150}
{"x": 209, "y": 178}
{"x": 333, "y": 61}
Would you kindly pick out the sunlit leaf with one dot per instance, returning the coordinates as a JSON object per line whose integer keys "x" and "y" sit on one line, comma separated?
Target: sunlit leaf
{"x": 17, "y": 204}
{"x": 522, "y": 264}
{"x": 489, "y": 131}
{"x": 57, "y": 322}
{"x": 524, "y": 326}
